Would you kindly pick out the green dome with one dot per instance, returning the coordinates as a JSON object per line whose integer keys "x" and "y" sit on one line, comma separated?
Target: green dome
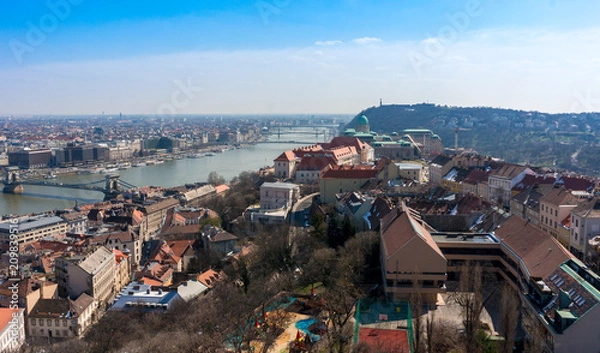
{"x": 362, "y": 120}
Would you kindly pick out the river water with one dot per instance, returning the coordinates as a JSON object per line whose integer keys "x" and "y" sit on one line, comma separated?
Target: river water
{"x": 171, "y": 173}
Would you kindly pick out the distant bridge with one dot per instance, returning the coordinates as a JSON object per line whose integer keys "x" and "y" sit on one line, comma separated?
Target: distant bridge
{"x": 325, "y": 131}
{"x": 113, "y": 185}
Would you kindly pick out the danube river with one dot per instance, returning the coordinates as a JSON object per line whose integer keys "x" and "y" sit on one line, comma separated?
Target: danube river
{"x": 171, "y": 173}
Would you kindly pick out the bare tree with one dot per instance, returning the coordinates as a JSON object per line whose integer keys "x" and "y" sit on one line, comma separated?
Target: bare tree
{"x": 469, "y": 297}
{"x": 416, "y": 308}
{"x": 340, "y": 302}
{"x": 442, "y": 335}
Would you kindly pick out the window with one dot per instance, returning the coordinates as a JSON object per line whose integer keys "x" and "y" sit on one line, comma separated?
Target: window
{"x": 33, "y": 322}
{"x": 49, "y": 322}
{"x": 555, "y": 213}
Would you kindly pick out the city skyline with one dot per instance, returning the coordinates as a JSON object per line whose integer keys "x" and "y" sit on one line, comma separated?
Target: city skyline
{"x": 290, "y": 57}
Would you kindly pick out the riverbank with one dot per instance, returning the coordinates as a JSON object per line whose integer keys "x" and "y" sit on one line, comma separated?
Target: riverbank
{"x": 170, "y": 173}
{"x": 101, "y": 167}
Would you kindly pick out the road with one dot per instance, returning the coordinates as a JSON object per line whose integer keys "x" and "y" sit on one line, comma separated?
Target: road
{"x": 301, "y": 210}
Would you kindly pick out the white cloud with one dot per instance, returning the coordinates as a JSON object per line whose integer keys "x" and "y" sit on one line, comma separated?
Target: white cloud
{"x": 328, "y": 43}
{"x": 366, "y": 40}
{"x": 542, "y": 70}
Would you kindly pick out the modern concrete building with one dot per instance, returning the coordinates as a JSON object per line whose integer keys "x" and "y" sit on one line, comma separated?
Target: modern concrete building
{"x": 30, "y": 229}
{"x": 413, "y": 171}
{"x": 278, "y": 195}
{"x": 411, "y": 261}
{"x": 28, "y": 159}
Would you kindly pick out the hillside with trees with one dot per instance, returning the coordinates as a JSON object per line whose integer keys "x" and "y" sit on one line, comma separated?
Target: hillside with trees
{"x": 558, "y": 141}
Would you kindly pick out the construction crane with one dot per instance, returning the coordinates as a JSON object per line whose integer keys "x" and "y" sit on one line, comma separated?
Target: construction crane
{"x": 413, "y": 142}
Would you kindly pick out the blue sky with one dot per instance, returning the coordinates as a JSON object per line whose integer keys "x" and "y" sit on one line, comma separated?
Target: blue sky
{"x": 294, "y": 56}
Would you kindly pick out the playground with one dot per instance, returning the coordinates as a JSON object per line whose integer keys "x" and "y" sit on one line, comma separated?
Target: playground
{"x": 299, "y": 314}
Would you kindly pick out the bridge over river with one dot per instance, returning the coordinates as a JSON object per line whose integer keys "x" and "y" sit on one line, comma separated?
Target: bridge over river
{"x": 283, "y": 133}
{"x": 112, "y": 184}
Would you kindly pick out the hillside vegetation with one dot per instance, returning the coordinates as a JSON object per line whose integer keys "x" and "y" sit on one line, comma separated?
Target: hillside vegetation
{"x": 559, "y": 141}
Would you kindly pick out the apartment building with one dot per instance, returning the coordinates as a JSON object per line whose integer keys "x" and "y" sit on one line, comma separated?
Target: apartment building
{"x": 278, "y": 195}
{"x": 92, "y": 273}
{"x": 555, "y": 206}
{"x": 585, "y": 226}
{"x": 156, "y": 213}
{"x": 61, "y": 318}
{"x": 285, "y": 165}
{"x": 501, "y": 182}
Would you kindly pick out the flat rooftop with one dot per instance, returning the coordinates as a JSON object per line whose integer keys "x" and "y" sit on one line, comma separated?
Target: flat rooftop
{"x": 465, "y": 238}
{"x": 29, "y": 223}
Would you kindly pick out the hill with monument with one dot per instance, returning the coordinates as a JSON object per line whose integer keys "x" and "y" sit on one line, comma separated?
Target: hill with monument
{"x": 562, "y": 141}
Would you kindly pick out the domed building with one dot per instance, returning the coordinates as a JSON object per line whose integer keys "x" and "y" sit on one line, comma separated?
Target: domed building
{"x": 362, "y": 124}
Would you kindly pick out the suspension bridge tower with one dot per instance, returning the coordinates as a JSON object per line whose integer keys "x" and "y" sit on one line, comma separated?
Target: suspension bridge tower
{"x": 12, "y": 184}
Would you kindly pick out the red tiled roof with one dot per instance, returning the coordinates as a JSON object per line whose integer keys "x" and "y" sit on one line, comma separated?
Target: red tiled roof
{"x": 346, "y": 141}
{"x": 476, "y": 176}
{"x": 6, "y": 314}
{"x": 350, "y": 172}
{"x": 190, "y": 229}
{"x": 209, "y": 278}
{"x": 559, "y": 196}
{"x": 179, "y": 247}
{"x": 509, "y": 171}
{"x": 164, "y": 255}
{"x": 540, "y": 252}
{"x": 178, "y": 218}
{"x": 136, "y": 217}
{"x": 530, "y": 180}
{"x": 576, "y": 183}
{"x": 119, "y": 256}
{"x": 221, "y": 188}
{"x": 286, "y": 156}
{"x": 315, "y": 162}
